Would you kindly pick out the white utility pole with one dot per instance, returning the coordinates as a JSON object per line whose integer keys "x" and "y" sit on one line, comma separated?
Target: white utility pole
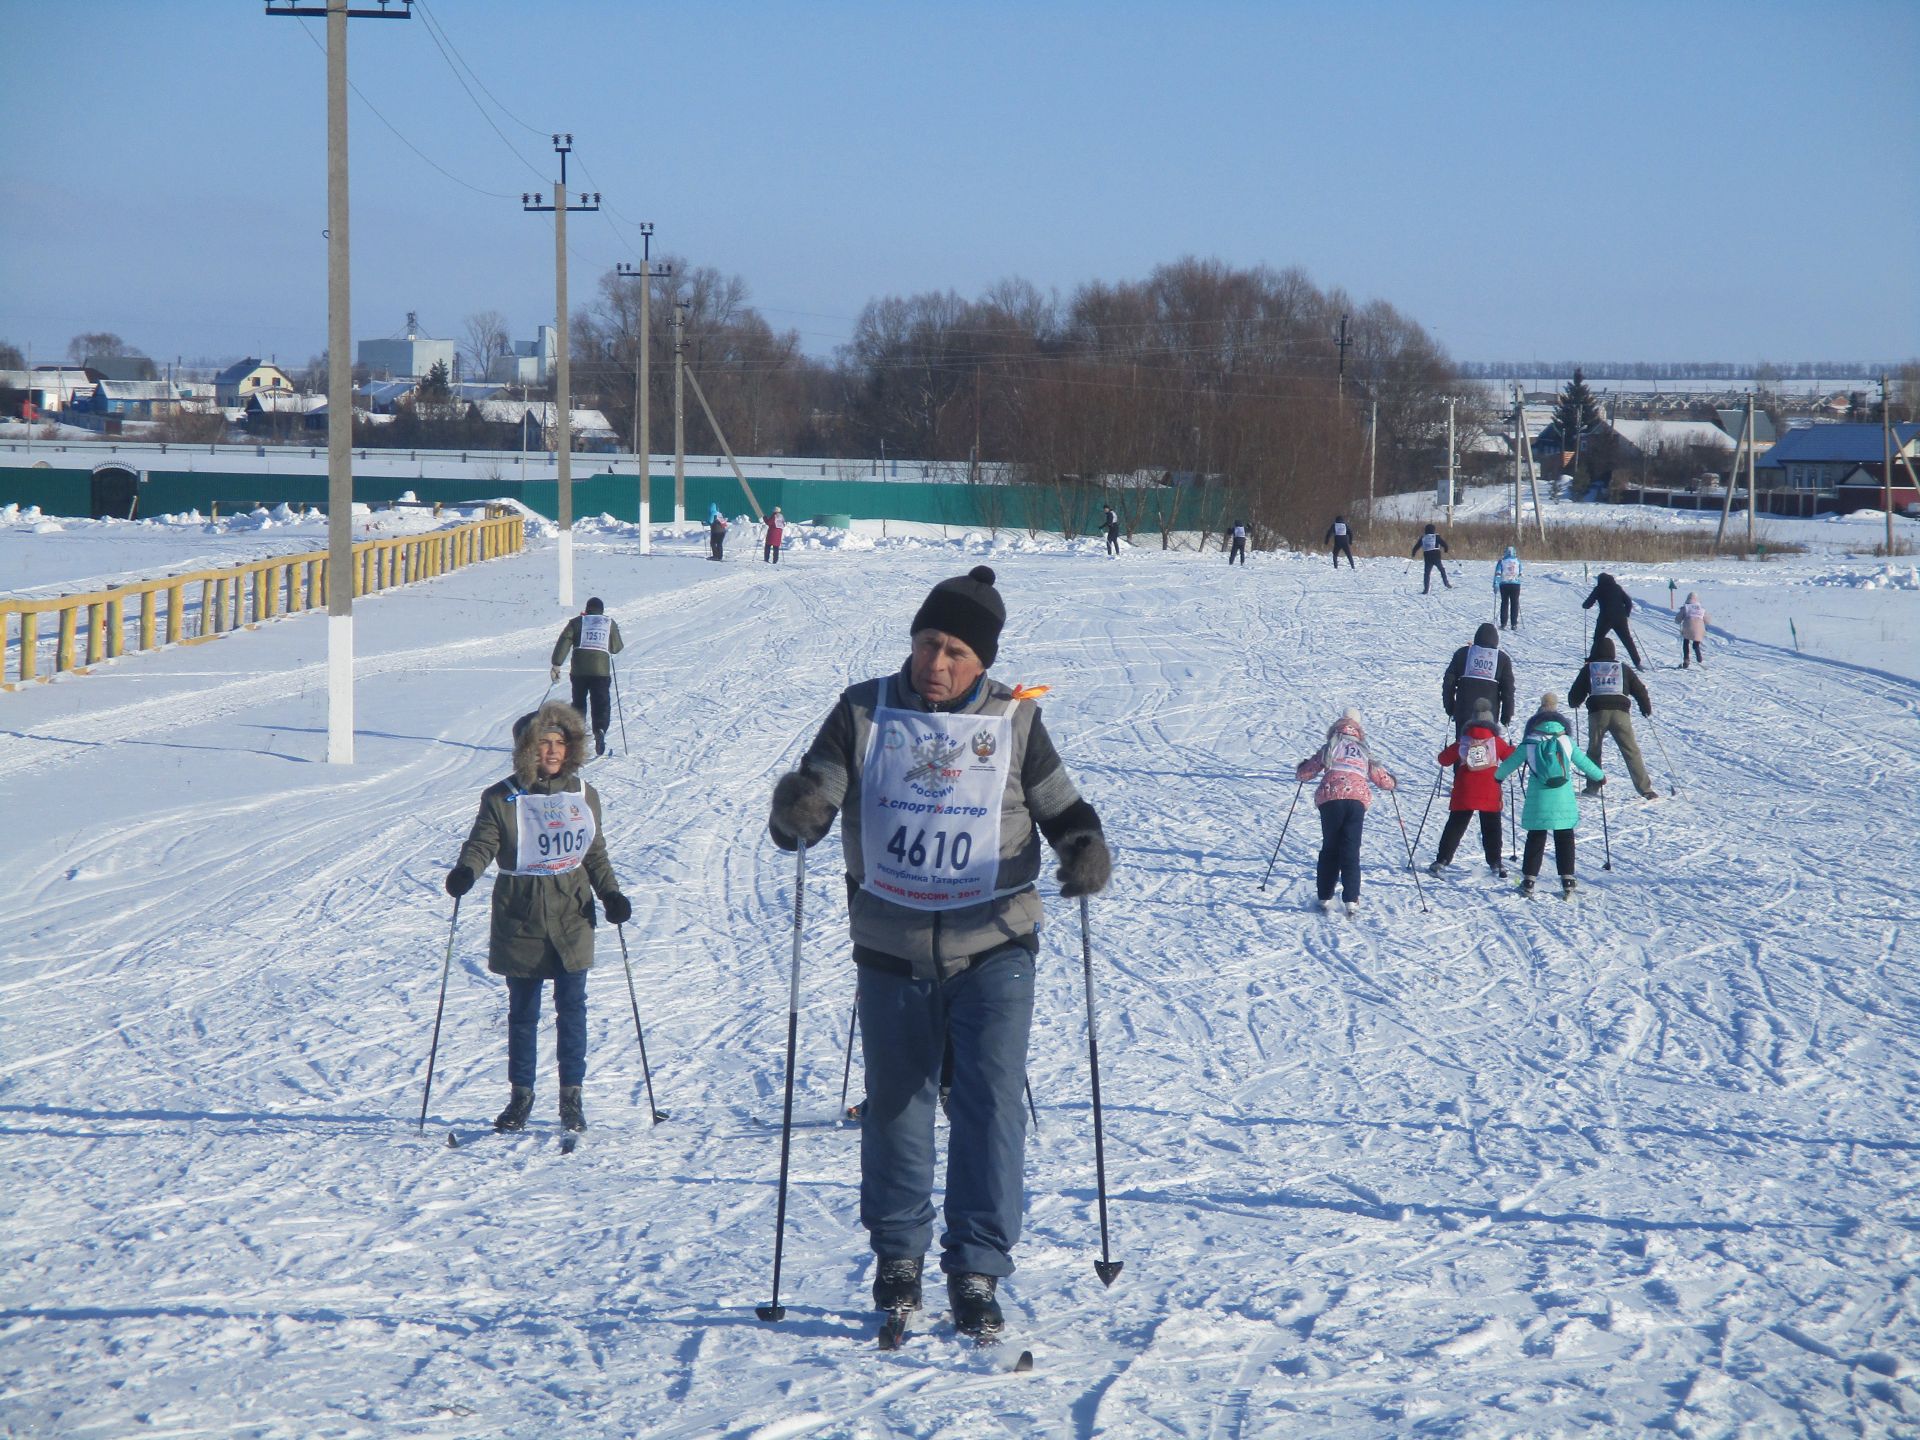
{"x": 1373, "y": 452}
{"x": 1886, "y": 450}
{"x": 1519, "y": 440}
{"x": 339, "y": 375}
{"x": 643, "y": 401}
{"x": 1733, "y": 477}
{"x": 679, "y": 415}
{"x": 562, "y": 366}
{"x": 1449, "y": 461}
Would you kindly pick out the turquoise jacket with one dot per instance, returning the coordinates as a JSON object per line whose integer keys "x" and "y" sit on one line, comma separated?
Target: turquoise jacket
{"x": 1558, "y": 807}
{"x": 1513, "y": 555}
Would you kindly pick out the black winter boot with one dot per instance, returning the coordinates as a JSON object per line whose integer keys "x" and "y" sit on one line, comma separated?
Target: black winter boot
{"x": 599, "y": 742}
{"x": 975, "y": 1311}
{"x": 519, "y": 1106}
{"x": 896, "y": 1284}
{"x": 572, "y": 1115}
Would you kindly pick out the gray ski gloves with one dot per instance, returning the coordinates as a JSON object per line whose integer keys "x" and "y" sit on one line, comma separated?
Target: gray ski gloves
{"x": 802, "y": 814}
{"x": 1085, "y": 864}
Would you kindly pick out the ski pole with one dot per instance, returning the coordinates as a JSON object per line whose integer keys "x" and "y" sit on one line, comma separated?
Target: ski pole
{"x": 1513, "y": 820}
{"x": 1673, "y": 787}
{"x": 638, "y": 1033}
{"x": 1421, "y": 828}
{"x": 1283, "y": 834}
{"x": 1605, "y": 838}
{"x": 1033, "y": 1109}
{"x": 548, "y": 691}
{"x": 846, "y": 1072}
{"x": 620, "y": 707}
{"x": 1105, "y": 1267}
{"x": 776, "y": 1310}
{"x": 1414, "y": 870}
{"x": 433, "y": 1051}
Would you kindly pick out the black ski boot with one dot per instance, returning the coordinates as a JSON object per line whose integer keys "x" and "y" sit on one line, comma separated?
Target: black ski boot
{"x": 896, "y": 1284}
{"x": 1499, "y": 870}
{"x": 599, "y": 742}
{"x": 514, "y": 1117}
{"x": 1567, "y": 886}
{"x": 572, "y": 1115}
{"x": 1526, "y": 885}
{"x": 975, "y": 1311}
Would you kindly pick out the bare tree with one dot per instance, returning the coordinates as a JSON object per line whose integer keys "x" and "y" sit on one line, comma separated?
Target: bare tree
{"x": 98, "y": 343}
{"x": 486, "y": 340}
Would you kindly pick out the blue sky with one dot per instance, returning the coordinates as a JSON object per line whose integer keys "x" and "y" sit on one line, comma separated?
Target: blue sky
{"x": 1685, "y": 180}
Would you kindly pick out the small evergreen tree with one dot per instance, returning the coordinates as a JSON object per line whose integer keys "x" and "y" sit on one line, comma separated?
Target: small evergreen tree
{"x": 437, "y": 388}
{"x": 1577, "y": 412}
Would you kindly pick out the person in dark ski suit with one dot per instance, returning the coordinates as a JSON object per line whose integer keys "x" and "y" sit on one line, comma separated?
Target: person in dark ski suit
{"x": 1506, "y": 585}
{"x": 1480, "y": 748}
{"x": 543, "y": 916}
{"x": 1429, "y": 547}
{"x": 594, "y": 639}
{"x": 1341, "y": 535}
{"x": 1616, "y": 606}
{"x": 944, "y": 781}
{"x": 716, "y": 532}
{"x": 1605, "y": 685}
{"x": 1480, "y": 671}
{"x": 1239, "y": 551}
{"x": 1111, "y": 521}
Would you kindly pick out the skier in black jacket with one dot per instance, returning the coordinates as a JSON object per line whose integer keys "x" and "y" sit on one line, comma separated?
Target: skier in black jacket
{"x": 1429, "y": 547}
{"x": 1615, "y": 608}
{"x": 1480, "y": 671}
{"x": 1606, "y": 685}
{"x": 1340, "y": 534}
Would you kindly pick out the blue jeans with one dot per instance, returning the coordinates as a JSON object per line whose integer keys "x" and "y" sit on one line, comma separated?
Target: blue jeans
{"x": 523, "y": 1027}
{"x": 986, "y": 1013}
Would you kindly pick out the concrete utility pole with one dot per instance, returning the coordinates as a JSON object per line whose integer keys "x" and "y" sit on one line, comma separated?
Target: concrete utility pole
{"x": 562, "y": 365}
{"x": 1449, "y": 461}
{"x": 339, "y": 372}
{"x": 1886, "y": 448}
{"x": 1519, "y": 440}
{"x": 1373, "y": 453}
{"x": 679, "y": 414}
{"x": 643, "y": 401}
{"x": 1733, "y": 478}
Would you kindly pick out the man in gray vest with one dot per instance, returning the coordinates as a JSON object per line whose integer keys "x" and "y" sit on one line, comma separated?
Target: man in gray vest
{"x": 945, "y": 781}
{"x": 594, "y": 638}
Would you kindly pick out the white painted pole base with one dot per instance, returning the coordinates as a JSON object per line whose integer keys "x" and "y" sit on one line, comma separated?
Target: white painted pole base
{"x": 340, "y": 689}
{"x": 566, "y": 569}
{"x": 679, "y": 517}
{"x": 646, "y": 529}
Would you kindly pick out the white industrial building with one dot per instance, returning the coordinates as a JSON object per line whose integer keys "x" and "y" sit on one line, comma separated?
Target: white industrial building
{"x": 410, "y": 357}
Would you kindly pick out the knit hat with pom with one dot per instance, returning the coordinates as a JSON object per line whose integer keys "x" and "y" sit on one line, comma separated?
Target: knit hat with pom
{"x": 968, "y": 607}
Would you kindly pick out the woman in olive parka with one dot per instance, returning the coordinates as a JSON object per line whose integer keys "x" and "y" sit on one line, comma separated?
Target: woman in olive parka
{"x": 542, "y": 826}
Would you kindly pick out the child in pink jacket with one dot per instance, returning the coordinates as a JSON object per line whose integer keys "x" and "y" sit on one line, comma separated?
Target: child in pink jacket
{"x": 1347, "y": 773}
{"x": 1693, "y": 620}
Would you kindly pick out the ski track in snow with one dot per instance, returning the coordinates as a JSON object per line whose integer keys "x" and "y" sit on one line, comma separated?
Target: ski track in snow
{"x": 1645, "y": 1160}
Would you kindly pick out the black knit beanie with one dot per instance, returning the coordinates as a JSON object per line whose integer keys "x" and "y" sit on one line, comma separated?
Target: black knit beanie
{"x": 967, "y": 606}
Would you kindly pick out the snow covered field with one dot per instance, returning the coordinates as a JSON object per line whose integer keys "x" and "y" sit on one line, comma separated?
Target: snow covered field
{"x": 1492, "y": 1168}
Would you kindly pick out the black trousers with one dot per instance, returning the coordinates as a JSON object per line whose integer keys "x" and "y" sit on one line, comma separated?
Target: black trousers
{"x": 1698, "y": 653}
{"x": 1239, "y": 551}
{"x": 1342, "y": 546}
{"x": 1537, "y": 848}
{"x": 599, "y": 690}
{"x": 771, "y": 552}
{"x": 1509, "y": 605}
{"x": 1457, "y": 826}
{"x": 1340, "y": 826}
{"x": 1113, "y": 542}
{"x": 1434, "y": 562}
{"x": 1618, "y": 626}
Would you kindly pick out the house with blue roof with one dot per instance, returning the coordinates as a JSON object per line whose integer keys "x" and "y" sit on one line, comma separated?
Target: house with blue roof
{"x": 1844, "y": 462}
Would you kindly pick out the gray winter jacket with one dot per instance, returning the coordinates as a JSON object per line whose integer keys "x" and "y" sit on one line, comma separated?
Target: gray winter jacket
{"x": 1039, "y": 792}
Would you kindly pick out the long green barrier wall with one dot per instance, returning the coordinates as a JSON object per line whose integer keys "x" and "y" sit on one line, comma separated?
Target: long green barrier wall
{"x": 1074, "y": 509}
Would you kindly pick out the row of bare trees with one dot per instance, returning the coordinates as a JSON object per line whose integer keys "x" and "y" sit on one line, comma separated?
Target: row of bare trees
{"x": 1225, "y": 380}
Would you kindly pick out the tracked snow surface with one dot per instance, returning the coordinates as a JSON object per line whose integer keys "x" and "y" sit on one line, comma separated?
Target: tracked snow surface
{"x": 1495, "y": 1167}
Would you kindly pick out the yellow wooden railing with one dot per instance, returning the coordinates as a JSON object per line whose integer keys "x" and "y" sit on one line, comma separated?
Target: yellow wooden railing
{"x": 92, "y": 627}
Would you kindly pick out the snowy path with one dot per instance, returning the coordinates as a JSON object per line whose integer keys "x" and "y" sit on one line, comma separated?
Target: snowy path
{"x": 1644, "y": 1160}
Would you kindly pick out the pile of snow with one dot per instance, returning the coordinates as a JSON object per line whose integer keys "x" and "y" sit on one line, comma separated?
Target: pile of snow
{"x": 1885, "y": 577}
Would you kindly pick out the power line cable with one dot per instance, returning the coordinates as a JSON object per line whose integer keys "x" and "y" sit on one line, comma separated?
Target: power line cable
{"x": 361, "y": 95}
{"x": 434, "y": 22}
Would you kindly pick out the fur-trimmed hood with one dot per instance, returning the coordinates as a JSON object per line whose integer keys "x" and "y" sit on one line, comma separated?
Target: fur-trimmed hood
{"x": 527, "y": 730}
